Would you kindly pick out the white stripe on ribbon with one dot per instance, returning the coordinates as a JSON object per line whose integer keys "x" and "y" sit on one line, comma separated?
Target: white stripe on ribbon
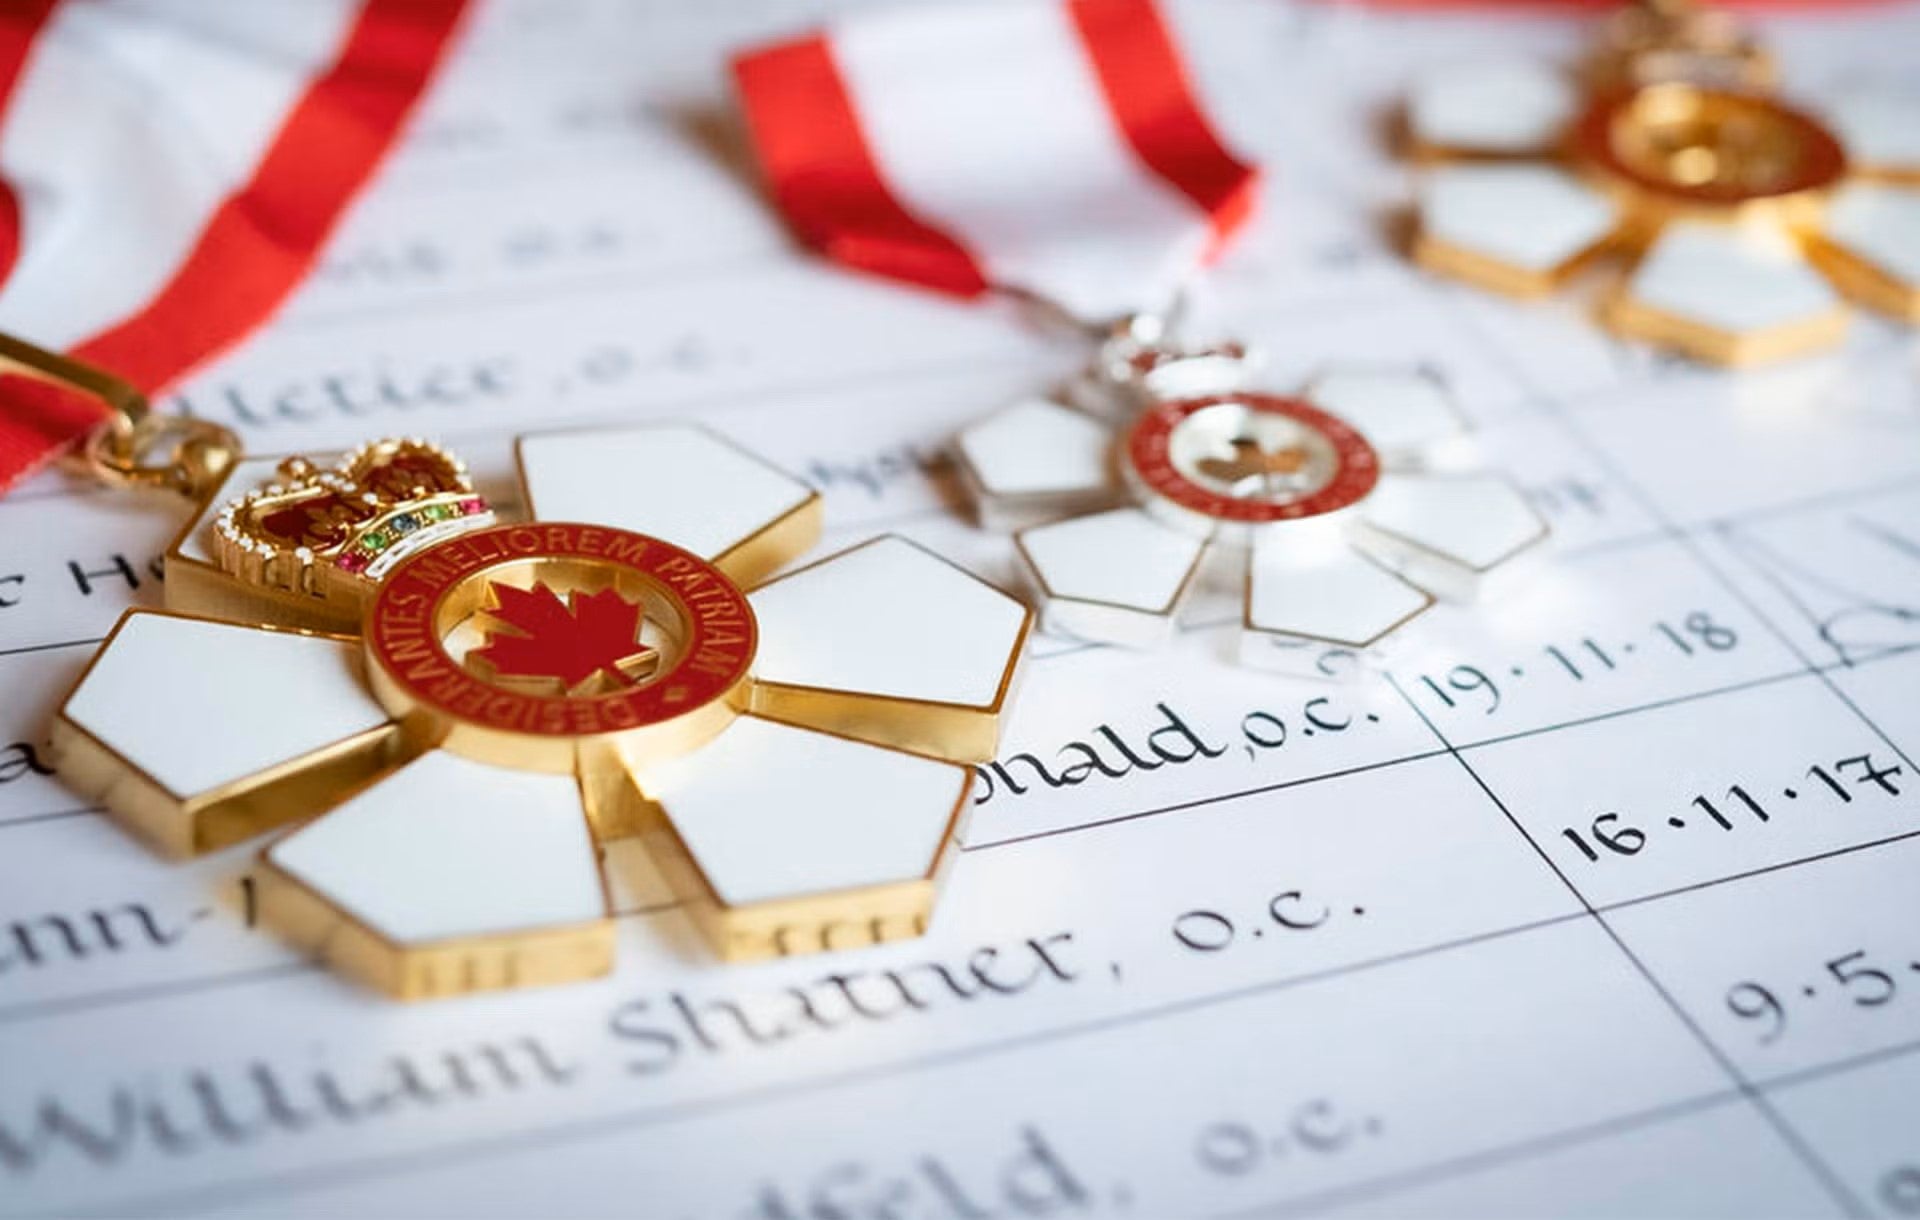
{"x": 993, "y": 126}
{"x": 133, "y": 121}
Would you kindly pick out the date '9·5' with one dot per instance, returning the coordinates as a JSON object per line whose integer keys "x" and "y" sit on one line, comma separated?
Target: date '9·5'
{"x": 1858, "y": 979}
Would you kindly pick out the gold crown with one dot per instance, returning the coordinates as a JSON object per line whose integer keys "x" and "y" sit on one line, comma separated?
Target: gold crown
{"x": 333, "y": 533}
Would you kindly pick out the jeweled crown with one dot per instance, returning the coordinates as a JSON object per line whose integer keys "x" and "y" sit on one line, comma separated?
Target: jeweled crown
{"x": 335, "y": 532}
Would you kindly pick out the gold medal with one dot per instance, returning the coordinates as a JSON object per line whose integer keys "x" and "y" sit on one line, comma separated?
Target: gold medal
{"x": 457, "y": 713}
{"x": 1743, "y": 220}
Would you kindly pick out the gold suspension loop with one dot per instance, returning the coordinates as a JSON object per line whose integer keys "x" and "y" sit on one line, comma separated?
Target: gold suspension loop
{"x": 169, "y": 452}
{"x": 133, "y": 447}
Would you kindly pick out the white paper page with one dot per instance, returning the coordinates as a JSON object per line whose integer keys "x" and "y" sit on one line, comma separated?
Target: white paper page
{"x": 1463, "y": 936}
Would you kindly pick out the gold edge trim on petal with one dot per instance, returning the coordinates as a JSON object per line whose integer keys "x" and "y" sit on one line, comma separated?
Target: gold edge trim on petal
{"x": 134, "y": 798}
{"x": 774, "y": 545}
{"x": 1633, "y": 319}
{"x": 1862, "y": 280}
{"x": 186, "y": 825}
{"x": 347, "y": 944}
{"x": 895, "y": 910}
{"x": 1405, "y": 138}
{"x": 294, "y": 790}
{"x": 928, "y": 728}
{"x": 1485, "y": 271}
{"x": 610, "y": 794}
{"x": 944, "y": 732}
{"x": 1891, "y": 173}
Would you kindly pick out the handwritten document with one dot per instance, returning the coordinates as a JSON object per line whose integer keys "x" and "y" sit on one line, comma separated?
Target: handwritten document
{"x": 1597, "y": 899}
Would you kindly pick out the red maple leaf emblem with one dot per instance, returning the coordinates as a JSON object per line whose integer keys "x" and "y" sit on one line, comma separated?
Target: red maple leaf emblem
{"x": 589, "y": 636}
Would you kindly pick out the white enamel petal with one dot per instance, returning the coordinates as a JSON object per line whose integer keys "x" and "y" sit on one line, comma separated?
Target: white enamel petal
{"x": 447, "y": 847}
{"x": 1879, "y": 226}
{"x": 1036, "y": 456}
{"x": 1736, "y": 287}
{"x": 1404, "y": 413}
{"x": 769, "y": 811}
{"x": 678, "y": 482}
{"x": 1535, "y": 219}
{"x": 1115, "y": 577}
{"x": 1879, "y": 130}
{"x": 892, "y": 619}
{"x": 1446, "y": 532}
{"x": 199, "y": 704}
{"x": 1326, "y": 593}
{"x": 1514, "y": 107}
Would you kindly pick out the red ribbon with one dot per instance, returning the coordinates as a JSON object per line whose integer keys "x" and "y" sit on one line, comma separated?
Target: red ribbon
{"x": 264, "y": 237}
{"x": 823, "y": 173}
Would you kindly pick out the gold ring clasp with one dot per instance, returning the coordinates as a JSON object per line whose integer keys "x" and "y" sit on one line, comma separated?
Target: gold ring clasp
{"x": 170, "y": 452}
{"x": 133, "y": 446}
